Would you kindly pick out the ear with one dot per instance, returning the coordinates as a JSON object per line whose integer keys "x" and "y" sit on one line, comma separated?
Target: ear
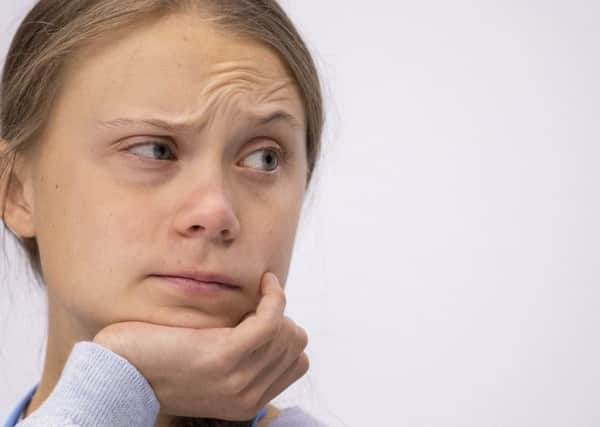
{"x": 16, "y": 192}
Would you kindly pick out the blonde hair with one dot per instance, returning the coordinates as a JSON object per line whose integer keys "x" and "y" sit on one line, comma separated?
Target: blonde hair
{"x": 54, "y": 32}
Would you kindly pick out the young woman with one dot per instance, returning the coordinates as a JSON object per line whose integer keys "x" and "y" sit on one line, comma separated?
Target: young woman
{"x": 154, "y": 159}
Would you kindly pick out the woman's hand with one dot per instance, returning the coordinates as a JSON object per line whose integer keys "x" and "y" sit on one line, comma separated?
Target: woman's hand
{"x": 224, "y": 373}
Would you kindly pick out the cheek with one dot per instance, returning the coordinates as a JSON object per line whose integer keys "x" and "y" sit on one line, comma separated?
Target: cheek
{"x": 277, "y": 241}
{"x": 87, "y": 235}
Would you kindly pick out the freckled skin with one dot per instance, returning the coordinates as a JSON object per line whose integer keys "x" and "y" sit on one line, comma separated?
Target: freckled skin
{"x": 106, "y": 219}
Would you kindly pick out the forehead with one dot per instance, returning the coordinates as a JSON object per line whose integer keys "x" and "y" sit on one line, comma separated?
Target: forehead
{"x": 181, "y": 66}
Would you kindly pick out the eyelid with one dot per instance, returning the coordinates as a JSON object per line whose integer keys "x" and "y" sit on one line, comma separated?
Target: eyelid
{"x": 151, "y": 140}
{"x": 273, "y": 144}
{"x": 172, "y": 146}
{"x": 282, "y": 155}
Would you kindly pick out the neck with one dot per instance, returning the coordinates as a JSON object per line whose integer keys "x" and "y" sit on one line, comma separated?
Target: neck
{"x": 62, "y": 336}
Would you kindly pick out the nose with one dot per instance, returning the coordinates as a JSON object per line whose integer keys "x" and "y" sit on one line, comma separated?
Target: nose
{"x": 208, "y": 211}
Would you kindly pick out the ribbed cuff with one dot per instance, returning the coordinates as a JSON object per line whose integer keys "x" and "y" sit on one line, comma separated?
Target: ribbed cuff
{"x": 100, "y": 388}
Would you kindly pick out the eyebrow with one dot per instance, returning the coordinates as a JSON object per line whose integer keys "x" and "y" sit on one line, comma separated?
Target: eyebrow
{"x": 171, "y": 126}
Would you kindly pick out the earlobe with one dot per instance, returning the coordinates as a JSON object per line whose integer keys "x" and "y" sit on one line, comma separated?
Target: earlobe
{"x": 15, "y": 193}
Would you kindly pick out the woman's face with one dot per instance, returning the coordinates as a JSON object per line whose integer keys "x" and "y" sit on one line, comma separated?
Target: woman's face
{"x": 162, "y": 156}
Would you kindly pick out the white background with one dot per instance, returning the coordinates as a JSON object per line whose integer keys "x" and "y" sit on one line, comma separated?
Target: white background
{"x": 447, "y": 267}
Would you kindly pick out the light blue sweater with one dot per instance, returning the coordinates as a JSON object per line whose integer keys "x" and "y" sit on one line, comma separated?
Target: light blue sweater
{"x": 100, "y": 388}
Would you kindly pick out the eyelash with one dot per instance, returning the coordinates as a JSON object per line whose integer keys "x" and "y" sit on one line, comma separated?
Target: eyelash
{"x": 282, "y": 154}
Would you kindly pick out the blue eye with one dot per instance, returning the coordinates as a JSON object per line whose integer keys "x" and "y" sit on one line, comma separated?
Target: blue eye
{"x": 153, "y": 150}
{"x": 270, "y": 157}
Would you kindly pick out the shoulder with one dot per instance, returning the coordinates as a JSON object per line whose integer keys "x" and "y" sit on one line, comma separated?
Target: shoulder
{"x": 294, "y": 416}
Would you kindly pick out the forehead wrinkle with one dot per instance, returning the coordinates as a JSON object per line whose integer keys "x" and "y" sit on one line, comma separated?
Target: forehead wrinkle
{"x": 221, "y": 103}
{"x": 238, "y": 80}
{"x": 227, "y": 93}
{"x": 239, "y": 88}
{"x": 239, "y": 71}
{"x": 277, "y": 91}
{"x": 226, "y": 97}
{"x": 216, "y": 101}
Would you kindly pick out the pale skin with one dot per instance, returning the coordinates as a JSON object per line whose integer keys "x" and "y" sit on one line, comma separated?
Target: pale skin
{"x": 205, "y": 194}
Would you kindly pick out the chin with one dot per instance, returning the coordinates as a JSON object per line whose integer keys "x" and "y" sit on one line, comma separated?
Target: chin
{"x": 193, "y": 318}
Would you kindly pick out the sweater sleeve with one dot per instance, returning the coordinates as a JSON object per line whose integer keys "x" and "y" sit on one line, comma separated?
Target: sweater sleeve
{"x": 97, "y": 387}
{"x": 295, "y": 417}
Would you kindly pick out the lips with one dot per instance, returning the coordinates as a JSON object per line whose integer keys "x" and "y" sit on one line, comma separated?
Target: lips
{"x": 202, "y": 278}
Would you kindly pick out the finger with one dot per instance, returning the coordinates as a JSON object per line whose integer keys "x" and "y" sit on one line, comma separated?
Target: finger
{"x": 270, "y": 354}
{"x": 276, "y": 366}
{"x": 286, "y": 338}
{"x": 298, "y": 369}
{"x": 261, "y": 327}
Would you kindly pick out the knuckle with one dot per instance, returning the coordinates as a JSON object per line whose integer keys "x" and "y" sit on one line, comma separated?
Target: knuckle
{"x": 234, "y": 385}
{"x": 302, "y": 337}
{"x": 217, "y": 364}
{"x": 303, "y": 364}
{"x": 288, "y": 322}
{"x": 286, "y": 332}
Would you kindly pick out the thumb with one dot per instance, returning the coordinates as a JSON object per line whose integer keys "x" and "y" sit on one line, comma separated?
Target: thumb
{"x": 268, "y": 284}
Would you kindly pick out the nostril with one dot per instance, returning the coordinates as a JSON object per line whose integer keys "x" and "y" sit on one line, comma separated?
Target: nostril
{"x": 225, "y": 233}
